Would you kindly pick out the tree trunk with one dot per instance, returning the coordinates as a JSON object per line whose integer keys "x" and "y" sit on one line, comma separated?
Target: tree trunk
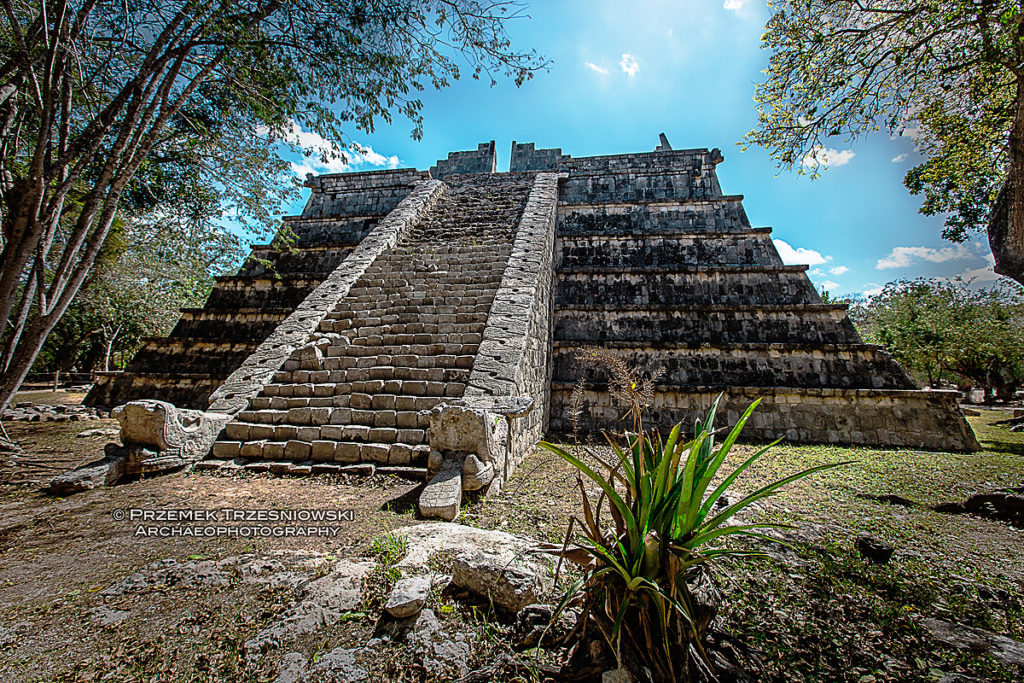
{"x": 1006, "y": 221}
{"x": 110, "y": 346}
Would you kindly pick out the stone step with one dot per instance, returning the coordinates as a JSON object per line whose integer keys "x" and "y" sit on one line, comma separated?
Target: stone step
{"x": 227, "y": 326}
{"x": 409, "y": 313}
{"x": 228, "y": 313}
{"x": 429, "y": 333}
{"x": 260, "y": 292}
{"x": 294, "y": 261}
{"x": 896, "y": 418}
{"x": 800, "y": 323}
{"x": 301, "y": 411}
{"x": 323, "y": 451}
{"x": 707, "y": 233}
{"x": 183, "y": 355}
{"x": 255, "y": 431}
{"x": 720, "y": 214}
{"x": 859, "y": 366}
{"x": 318, "y": 375}
{"x": 435, "y": 349}
{"x": 678, "y": 251}
{"x": 681, "y": 269}
{"x": 445, "y": 324}
{"x": 697, "y": 286}
{"x": 185, "y": 390}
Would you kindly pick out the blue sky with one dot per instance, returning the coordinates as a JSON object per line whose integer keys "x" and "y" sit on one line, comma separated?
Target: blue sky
{"x": 622, "y": 72}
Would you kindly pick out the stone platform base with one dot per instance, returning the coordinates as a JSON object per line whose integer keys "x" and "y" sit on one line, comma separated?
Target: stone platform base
{"x": 881, "y": 418}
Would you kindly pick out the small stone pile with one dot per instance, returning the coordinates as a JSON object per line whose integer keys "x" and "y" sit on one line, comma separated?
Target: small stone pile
{"x": 42, "y": 412}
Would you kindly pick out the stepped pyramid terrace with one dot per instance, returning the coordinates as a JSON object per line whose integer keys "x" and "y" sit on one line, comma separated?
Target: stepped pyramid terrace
{"x": 429, "y": 322}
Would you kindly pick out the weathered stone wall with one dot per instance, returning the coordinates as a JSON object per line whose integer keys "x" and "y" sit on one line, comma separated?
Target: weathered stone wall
{"x": 855, "y": 366}
{"x": 321, "y": 260}
{"x": 930, "y": 420}
{"x": 694, "y": 285}
{"x": 341, "y": 195}
{"x": 653, "y": 177}
{"x": 526, "y": 157}
{"x": 515, "y": 354}
{"x": 796, "y": 324}
{"x": 482, "y": 160}
{"x": 246, "y": 323}
{"x": 721, "y": 214}
{"x": 641, "y": 251}
{"x": 258, "y": 370}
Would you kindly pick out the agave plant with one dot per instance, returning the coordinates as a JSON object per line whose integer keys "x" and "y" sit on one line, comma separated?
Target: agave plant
{"x": 666, "y": 525}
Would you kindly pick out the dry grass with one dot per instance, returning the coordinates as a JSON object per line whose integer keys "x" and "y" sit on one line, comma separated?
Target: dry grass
{"x": 835, "y": 618}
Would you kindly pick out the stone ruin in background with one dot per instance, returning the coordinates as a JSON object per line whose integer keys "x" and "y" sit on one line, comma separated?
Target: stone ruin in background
{"x": 427, "y": 323}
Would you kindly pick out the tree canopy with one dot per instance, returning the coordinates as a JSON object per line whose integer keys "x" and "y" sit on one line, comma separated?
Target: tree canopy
{"x": 939, "y": 329}
{"x": 112, "y": 109}
{"x": 947, "y": 72}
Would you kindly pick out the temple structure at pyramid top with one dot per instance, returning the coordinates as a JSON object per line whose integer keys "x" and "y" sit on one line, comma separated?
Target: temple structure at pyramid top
{"x": 423, "y": 317}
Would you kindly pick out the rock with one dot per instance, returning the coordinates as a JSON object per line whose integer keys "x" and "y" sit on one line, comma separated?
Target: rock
{"x": 960, "y": 637}
{"x": 874, "y": 549}
{"x": 104, "y": 616}
{"x": 7, "y": 446}
{"x": 292, "y": 669}
{"x": 342, "y": 588}
{"x": 323, "y": 602}
{"x": 99, "y": 473}
{"x": 959, "y": 678}
{"x": 434, "y": 462}
{"x": 341, "y": 662}
{"x": 532, "y": 621}
{"x": 616, "y": 676}
{"x": 442, "y": 496}
{"x": 171, "y": 573}
{"x": 970, "y": 412}
{"x": 158, "y": 436}
{"x": 509, "y": 584}
{"x": 408, "y": 596}
{"x": 422, "y": 541}
{"x": 476, "y": 474}
{"x": 439, "y": 653}
{"x": 85, "y": 434}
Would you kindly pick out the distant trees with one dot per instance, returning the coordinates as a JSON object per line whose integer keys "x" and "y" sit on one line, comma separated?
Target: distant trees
{"x": 111, "y": 109}
{"x": 142, "y": 277}
{"x": 940, "y": 329}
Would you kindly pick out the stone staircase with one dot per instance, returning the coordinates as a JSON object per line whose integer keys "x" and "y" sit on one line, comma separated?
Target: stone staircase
{"x": 403, "y": 339}
{"x": 242, "y": 310}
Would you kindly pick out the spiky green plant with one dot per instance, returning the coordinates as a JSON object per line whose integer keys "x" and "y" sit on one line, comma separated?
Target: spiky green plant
{"x": 665, "y": 527}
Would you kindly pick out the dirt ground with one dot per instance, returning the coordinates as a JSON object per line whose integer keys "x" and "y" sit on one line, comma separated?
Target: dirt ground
{"x": 818, "y": 612}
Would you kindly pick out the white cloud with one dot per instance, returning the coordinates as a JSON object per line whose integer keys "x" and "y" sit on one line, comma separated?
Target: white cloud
{"x": 734, "y": 5}
{"x": 828, "y": 284}
{"x": 629, "y": 64}
{"x": 799, "y": 255}
{"x": 821, "y": 156}
{"x": 839, "y": 270}
{"x": 898, "y": 158}
{"x": 901, "y": 257}
{"x": 871, "y": 289}
{"x": 595, "y": 67}
{"x": 983, "y": 274}
{"x": 322, "y": 156}
{"x": 817, "y": 272}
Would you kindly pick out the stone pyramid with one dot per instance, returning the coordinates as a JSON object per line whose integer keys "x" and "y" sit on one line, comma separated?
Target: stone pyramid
{"x": 428, "y": 322}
